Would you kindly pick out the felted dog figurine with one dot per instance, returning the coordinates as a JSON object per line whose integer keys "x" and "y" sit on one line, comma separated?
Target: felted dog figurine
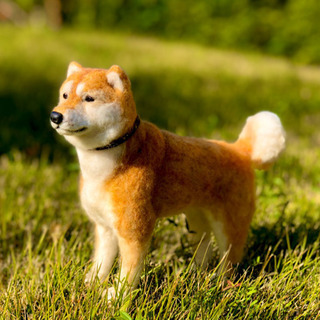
{"x": 133, "y": 173}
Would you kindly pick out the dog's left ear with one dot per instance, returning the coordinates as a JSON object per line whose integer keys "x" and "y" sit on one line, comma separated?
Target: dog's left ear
{"x": 73, "y": 67}
{"x": 117, "y": 78}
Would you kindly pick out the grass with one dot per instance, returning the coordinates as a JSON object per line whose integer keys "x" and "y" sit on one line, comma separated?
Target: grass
{"x": 46, "y": 240}
{"x": 46, "y": 243}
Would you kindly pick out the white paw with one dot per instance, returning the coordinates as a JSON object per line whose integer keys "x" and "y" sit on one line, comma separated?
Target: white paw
{"x": 89, "y": 277}
{"x": 111, "y": 293}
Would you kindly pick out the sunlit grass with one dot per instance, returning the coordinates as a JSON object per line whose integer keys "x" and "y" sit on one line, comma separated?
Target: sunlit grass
{"x": 46, "y": 244}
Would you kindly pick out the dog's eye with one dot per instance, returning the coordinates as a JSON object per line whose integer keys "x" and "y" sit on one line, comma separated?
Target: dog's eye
{"x": 65, "y": 96}
{"x": 89, "y": 99}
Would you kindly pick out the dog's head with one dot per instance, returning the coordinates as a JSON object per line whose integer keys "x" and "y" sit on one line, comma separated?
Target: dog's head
{"x": 95, "y": 107}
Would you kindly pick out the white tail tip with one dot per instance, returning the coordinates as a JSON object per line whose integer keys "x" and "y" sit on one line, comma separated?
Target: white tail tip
{"x": 265, "y": 134}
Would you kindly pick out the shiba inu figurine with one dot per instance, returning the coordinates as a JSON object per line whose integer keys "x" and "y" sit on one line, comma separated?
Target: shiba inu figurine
{"x": 133, "y": 173}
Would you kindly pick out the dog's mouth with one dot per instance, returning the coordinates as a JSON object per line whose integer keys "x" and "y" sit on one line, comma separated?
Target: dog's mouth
{"x": 68, "y": 131}
{"x": 78, "y": 130}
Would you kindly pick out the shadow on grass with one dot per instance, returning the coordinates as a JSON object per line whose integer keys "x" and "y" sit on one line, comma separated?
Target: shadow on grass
{"x": 270, "y": 242}
{"x": 273, "y": 242}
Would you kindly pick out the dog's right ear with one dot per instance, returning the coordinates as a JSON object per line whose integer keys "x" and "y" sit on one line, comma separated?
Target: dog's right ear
{"x": 117, "y": 78}
{"x": 73, "y": 67}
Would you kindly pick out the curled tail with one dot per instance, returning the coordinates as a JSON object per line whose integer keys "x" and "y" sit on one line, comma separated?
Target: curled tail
{"x": 263, "y": 137}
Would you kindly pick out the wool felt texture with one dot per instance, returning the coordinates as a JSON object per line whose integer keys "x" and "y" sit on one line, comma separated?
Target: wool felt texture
{"x": 156, "y": 173}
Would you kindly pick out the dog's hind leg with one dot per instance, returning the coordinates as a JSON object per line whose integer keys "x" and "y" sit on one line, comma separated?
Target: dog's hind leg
{"x": 231, "y": 231}
{"x": 200, "y": 230}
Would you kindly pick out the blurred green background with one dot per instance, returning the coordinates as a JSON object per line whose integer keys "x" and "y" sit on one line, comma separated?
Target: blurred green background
{"x": 197, "y": 67}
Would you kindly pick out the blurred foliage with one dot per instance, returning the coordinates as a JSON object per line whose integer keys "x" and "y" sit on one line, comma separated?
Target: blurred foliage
{"x": 181, "y": 87}
{"x": 281, "y": 27}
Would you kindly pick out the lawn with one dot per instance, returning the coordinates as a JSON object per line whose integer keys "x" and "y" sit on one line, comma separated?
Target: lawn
{"x": 46, "y": 240}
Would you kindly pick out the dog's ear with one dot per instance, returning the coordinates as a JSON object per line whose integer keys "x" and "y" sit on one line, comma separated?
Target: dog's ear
{"x": 73, "y": 67}
{"x": 117, "y": 78}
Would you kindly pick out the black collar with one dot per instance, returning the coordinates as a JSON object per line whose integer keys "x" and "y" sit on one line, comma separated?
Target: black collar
{"x": 122, "y": 139}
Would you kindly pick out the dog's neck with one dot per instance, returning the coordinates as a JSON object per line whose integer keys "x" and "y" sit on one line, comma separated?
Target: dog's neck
{"x": 117, "y": 142}
{"x": 99, "y": 165}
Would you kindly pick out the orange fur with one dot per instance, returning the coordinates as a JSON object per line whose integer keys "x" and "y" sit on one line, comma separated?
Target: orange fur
{"x": 154, "y": 174}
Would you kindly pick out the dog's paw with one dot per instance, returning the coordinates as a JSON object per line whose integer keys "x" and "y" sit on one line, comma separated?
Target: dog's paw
{"x": 111, "y": 293}
{"x": 90, "y": 276}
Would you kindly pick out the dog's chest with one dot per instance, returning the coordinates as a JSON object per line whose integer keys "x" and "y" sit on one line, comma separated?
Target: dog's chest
{"x": 97, "y": 168}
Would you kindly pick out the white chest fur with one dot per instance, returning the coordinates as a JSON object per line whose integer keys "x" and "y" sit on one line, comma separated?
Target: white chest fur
{"x": 96, "y": 168}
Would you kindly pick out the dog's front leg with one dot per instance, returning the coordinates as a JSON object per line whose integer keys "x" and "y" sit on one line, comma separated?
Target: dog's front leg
{"x": 106, "y": 249}
{"x": 132, "y": 254}
{"x": 132, "y": 259}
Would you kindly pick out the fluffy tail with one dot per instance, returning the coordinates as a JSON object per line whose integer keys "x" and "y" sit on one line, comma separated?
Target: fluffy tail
{"x": 264, "y": 138}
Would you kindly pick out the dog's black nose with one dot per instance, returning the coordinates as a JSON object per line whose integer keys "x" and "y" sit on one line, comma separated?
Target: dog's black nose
{"x": 56, "y": 117}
